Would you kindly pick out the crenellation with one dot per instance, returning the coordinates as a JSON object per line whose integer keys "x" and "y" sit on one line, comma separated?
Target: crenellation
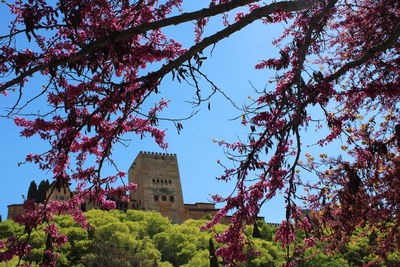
{"x": 156, "y": 155}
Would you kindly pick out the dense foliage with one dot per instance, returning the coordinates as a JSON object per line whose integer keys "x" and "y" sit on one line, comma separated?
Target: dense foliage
{"x": 339, "y": 57}
{"x": 138, "y": 238}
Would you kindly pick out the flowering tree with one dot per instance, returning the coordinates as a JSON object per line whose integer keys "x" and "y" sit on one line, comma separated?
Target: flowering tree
{"x": 341, "y": 56}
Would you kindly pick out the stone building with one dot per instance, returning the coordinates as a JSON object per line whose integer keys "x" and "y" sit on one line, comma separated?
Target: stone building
{"x": 157, "y": 175}
{"x": 58, "y": 194}
{"x": 14, "y": 210}
{"x": 52, "y": 194}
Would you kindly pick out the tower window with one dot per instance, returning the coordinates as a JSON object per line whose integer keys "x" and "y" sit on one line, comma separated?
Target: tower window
{"x": 171, "y": 198}
{"x": 155, "y": 198}
{"x": 158, "y": 180}
{"x": 154, "y": 180}
{"x": 164, "y": 198}
{"x": 170, "y": 181}
{"x": 162, "y": 181}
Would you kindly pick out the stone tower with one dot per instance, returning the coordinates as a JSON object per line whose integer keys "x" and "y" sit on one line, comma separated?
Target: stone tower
{"x": 159, "y": 183}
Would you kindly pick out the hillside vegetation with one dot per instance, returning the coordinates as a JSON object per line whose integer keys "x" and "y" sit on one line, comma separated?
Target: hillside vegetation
{"x": 138, "y": 238}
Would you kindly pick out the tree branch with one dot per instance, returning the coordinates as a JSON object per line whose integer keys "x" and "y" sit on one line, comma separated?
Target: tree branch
{"x": 286, "y": 6}
{"x": 388, "y": 43}
{"x": 118, "y": 36}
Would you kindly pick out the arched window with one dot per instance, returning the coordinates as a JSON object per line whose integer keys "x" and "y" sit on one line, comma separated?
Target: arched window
{"x": 170, "y": 181}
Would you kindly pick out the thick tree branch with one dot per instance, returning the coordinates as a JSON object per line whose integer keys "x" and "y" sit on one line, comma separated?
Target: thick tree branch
{"x": 315, "y": 25}
{"x": 388, "y": 43}
{"x": 118, "y": 36}
{"x": 286, "y": 6}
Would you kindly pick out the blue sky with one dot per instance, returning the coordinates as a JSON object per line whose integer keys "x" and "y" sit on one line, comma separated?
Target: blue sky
{"x": 231, "y": 67}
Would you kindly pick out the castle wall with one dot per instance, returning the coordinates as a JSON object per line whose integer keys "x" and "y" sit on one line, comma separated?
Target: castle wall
{"x": 200, "y": 210}
{"x": 14, "y": 210}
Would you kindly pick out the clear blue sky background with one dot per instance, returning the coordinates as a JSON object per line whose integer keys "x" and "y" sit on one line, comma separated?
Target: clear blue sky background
{"x": 231, "y": 67}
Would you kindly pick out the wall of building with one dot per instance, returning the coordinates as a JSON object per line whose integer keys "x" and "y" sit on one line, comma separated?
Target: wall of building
{"x": 58, "y": 194}
{"x": 200, "y": 210}
{"x": 53, "y": 194}
{"x": 14, "y": 210}
{"x": 160, "y": 189}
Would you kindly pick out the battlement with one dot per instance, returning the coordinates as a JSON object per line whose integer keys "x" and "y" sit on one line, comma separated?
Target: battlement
{"x": 156, "y": 155}
{"x": 145, "y": 155}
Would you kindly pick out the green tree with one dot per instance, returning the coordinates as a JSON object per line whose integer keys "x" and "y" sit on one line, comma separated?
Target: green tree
{"x": 99, "y": 217}
{"x": 32, "y": 191}
{"x": 78, "y": 245}
{"x": 180, "y": 242}
{"x": 37, "y": 241}
{"x": 267, "y": 231}
{"x": 269, "y": 254}
{"x": 199, "y": 259}
{"x": 212, "y": 256}
{"x": 256, "y": 231}
{"x": 317, "y": 258}
{"x": 156, "y": 223}
{"x": 115, "y": 245}
{"x": 393, "y": 260}
{"x": 9, "y": 228}
{"x": 42, "y": 191}
{"x": 357, "y": 252}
